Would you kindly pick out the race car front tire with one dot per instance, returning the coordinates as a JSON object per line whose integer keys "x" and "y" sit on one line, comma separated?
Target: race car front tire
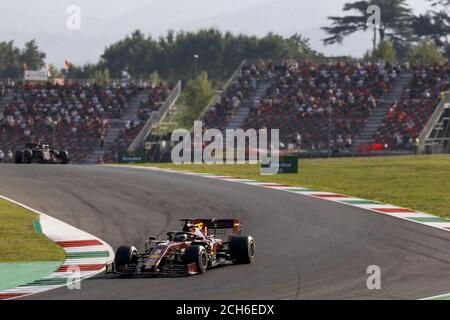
{"x": 125, "y": 255}
{"x": 242, "y": 249}
{"x": 197, "y": 254}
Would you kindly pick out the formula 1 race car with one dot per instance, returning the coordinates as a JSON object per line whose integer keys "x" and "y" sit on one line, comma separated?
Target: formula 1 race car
{"x": 191, "y": 251}
{"x": 42, "y": 153}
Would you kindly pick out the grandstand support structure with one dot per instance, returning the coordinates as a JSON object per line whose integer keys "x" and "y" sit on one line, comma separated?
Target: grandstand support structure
{"x": 113, "y": 132}
{"x": 241, "y": 114}
{"x": 379, "y": 114}
{"x": 220, "y": 92}
{"x": 155, "y": 118}
{"x": 435, "y": 137}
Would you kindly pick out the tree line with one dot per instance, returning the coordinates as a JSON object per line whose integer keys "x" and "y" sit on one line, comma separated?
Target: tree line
{"x": 185, "y": 55}
{"x": 14, "y": 60}
{"x": 399, "y": 28}
{"x": 172, "y": 56}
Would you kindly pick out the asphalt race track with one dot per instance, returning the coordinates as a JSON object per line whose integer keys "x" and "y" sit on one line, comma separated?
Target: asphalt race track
{"x": 306, "y": 248}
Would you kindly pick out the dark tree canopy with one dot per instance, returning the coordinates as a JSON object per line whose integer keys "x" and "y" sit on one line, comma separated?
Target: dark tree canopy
{"x": 395, "y": 16}
{"x": 399, "y": 25}
{"x": 444, "y": 3}
{"x": 432, "y": 25}
{"x": 172, "y": 55}
{"x": 13, "y": 59}
{"x": 217, "y": 53}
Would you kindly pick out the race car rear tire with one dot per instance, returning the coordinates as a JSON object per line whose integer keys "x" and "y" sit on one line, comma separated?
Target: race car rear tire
{"x": 125, "y": 255}
{"x": 242, "y": 249}
{"x": 197, "y": 254}
{"x": 18, "y": 156}
{"x": 27, "y": 156}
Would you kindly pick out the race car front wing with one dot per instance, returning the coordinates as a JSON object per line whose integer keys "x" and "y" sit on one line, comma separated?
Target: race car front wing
{"x": 171, "y": 270}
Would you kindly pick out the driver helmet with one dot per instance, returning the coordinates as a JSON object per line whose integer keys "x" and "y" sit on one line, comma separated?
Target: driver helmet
{"x": 188, "y": 227}
{"x": 181, "y": 237}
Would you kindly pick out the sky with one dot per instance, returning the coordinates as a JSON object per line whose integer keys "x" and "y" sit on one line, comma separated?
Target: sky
{"x": 105, "y": 21}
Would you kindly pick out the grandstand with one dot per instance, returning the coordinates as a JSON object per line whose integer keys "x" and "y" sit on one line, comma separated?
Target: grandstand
{"x": 343, "y": 108}
{"x": 306, "y": 97}
{"x": 245, "y": 84}
{"x": 152, "y": 101}
{"x": 80, "y": 118}
{"x": 321, "y": 109}
{"x": 435, "y": 137}
{"x": 406, "y": 118}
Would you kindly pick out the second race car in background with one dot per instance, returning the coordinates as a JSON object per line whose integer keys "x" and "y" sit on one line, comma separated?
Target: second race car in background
{"x": 41, "y": 152}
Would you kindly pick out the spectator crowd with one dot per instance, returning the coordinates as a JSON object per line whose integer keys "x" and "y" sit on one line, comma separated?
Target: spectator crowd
{"x": 407, "y": 117}
{"x": 316, "y": 104}
{"x": 155, "y": 96}
{"x": 72, "y": 116}
{"x": 244, "y": 84}
{"x": 310, "y": 103}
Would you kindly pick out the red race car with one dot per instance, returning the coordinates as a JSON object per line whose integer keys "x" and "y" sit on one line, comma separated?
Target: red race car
{"x": 190, "y": 251}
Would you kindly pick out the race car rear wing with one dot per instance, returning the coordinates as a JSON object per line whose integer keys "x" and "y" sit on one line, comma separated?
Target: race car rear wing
{"x": 217, "y": 224}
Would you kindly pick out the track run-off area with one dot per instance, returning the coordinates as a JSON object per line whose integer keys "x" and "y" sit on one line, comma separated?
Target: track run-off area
{"x": 307, "y": 248}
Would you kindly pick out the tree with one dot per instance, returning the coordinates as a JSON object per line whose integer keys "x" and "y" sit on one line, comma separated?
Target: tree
{"x": 10, "y": 62}
{"x": 154, "y": 78}
{"x": 53, "y": 72}
{"x": 32, "y": 57}
{"x": 102, "y": 77}
{"x": 235, "y": 49}
{"x": 425, "y": 52}
{"x": 299, "y": 48}
{"x": 195, "y": 97}
{"x": 171, "y": 55}
{"x": 137, "y": 54}
{"x": 395, "y": 21}
{"x": 86, "y": 71}
{"x": 219, "y": 53}
{"x": 432, "y": 25}
{"x": 447, "y": 52}
{"x": 443, "y": 3}
{"x": 13, "y": 59}
{"x": 385, "y": 52}
{"x": 206, "y": 43}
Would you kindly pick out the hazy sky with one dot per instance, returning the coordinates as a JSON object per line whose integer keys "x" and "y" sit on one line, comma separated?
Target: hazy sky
{"x": 106, "y": 21}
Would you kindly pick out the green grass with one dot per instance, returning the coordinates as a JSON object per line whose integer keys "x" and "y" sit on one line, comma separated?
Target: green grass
{"x": 19, "y": 241}
{"x": 417, "y": 182}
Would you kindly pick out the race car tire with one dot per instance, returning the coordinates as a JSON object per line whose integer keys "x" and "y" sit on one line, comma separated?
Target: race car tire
{"x": 64, "y": 157}
{"x": 197, "y": 254}
{"x": 18, "y": 156}
{"x": 27, "y": 156}
{"x": 125, "y": 255}
{"x": 242, "y": 249}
